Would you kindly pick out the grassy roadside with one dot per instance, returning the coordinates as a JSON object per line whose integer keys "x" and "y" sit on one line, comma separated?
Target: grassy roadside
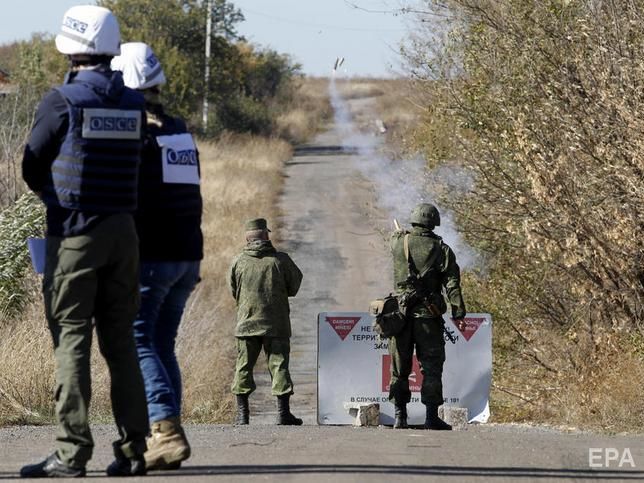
{"x": 241, "y": 178}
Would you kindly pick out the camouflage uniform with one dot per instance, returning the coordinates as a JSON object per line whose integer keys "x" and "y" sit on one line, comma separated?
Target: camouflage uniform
{"x": 261, "y": 280}
{"x": 423, "y": 330}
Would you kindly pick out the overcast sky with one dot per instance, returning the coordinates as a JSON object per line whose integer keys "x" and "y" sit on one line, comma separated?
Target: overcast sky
{"x": 314, "y": 32}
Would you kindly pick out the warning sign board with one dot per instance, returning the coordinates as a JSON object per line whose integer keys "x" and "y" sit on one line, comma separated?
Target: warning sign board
{"x": 342, "y": 325}
{"x": 354, "y": 366}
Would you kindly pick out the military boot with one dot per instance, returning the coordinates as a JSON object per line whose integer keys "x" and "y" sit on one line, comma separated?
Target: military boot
{"x": 125, "y": 465}
{"x": 52, "y": 467}
{"x": 167, "y": 445}
{"x": 401, "y": 416}
{"x": 284, "y": 416}
{"x": 243, "y": 412}
{"x": 432, "y": 421}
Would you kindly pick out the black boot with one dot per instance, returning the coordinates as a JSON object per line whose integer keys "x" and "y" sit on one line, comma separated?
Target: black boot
{"x": 401, "y": 416}
{"x": 52, "y": 467}
{"x": 124, "y": 465}
{"x": 243, "y": 412}
{"x": 284, "y": 416}
{"x": 432, "y": 421}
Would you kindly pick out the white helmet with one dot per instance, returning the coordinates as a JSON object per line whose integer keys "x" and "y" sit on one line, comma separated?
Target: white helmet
{"x": 141, "y": 68}
{"x": 88, "y": 29}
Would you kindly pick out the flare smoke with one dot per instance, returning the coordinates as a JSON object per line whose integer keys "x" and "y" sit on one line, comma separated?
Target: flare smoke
{"x": 402, "y": 184}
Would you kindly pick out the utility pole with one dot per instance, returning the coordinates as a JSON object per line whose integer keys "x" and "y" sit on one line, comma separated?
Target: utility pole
{"x": 206, "y": 79}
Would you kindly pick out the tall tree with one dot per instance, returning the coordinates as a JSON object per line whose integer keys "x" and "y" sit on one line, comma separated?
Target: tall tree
{"x": 176, "y": 30}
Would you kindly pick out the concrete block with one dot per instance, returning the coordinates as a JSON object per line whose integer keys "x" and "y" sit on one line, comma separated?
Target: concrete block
{"x": 453, "y": 415}
{"x": 365, "y": 414}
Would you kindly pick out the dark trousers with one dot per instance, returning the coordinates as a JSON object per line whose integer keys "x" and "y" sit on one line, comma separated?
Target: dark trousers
{"x": 426, "y": 334}
{"x": 94, "y": 277}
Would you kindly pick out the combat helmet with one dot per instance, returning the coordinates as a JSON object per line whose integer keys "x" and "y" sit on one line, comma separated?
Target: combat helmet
{"x": 141, "y": 68}
{"x": 425, "y": 214}
{"x": 90, "y": 30}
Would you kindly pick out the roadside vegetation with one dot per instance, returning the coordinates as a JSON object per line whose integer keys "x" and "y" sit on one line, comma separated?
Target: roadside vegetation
{"x": 540, "y": 104}
{"x": 258, "y": 109}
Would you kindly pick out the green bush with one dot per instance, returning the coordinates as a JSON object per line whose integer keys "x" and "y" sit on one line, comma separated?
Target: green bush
{"x": 245, "y": 114}
{"x": 24, "y": 219}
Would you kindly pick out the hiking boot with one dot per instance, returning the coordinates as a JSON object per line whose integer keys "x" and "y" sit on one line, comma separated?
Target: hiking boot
{"x": 243, "y": 412}
{"x": 284, "y": 416}
{"x": 167, "y": 445}
{"x": 52, "y": 467}
{"x": 125, "y": 465}
{"x": 401, "y": 417}
{"x": 432, "y": 421}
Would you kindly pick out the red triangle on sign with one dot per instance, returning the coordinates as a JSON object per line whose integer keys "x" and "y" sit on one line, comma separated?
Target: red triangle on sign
{"x": 472, "y": 324}
{"x": 342, "y": 325}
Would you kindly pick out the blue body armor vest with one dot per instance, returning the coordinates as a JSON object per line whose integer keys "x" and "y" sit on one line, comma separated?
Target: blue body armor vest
{"x": 96, "y": 169}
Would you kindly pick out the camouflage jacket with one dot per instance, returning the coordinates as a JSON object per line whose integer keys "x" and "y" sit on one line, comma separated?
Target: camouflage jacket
{"x": 262, "y": 279}
{"x": 445, "y": 273}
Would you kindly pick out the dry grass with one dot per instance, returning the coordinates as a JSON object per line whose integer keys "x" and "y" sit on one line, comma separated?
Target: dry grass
{"x": 603, "y": 393}
{"x": 241, "y": 179}
{"x": 26, "y": 358}
{"x": 307, "y": 111}
{"x": 361, "y": 88}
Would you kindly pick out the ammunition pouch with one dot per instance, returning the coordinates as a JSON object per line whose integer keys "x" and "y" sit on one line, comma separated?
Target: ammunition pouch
{"x": 389, "y": 316}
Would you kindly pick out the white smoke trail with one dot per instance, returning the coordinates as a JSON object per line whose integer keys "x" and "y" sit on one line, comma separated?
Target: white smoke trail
{"x": 402, "y": 184}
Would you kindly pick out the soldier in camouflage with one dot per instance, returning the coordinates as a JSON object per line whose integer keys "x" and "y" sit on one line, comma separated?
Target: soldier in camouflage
{"x": 432, "y": 268}
{"x": 262, "y": 279}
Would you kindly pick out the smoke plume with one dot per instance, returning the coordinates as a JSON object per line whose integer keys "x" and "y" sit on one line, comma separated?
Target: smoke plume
{"x": 402, "y": 184}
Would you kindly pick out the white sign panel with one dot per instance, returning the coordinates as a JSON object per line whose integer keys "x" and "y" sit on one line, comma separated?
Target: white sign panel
{"x": 179, "y": 159}
{"x": 354, "y": 367}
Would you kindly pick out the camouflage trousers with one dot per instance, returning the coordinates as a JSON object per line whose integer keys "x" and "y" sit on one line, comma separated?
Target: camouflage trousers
{"x": 92, "y": 280}
{"x": 277, "y": 350}
{"x": 426, "y": 334}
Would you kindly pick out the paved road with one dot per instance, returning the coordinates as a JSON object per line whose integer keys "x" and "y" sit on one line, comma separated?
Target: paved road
{"x": 344, "y": 454}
